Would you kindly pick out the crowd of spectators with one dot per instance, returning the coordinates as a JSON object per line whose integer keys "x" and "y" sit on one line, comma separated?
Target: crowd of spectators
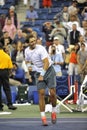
{"x": 67, "y": 29}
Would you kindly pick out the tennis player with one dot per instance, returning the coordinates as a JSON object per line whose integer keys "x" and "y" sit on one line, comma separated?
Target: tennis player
{"x": 45, "y": 76}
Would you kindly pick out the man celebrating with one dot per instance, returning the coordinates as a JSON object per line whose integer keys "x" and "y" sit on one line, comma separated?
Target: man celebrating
{"x": 45, "y": 76}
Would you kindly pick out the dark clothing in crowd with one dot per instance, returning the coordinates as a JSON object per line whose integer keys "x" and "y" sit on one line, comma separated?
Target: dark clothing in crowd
{"x": 74, "y": 37}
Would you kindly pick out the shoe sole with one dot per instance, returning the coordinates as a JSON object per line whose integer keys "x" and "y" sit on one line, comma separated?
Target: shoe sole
{"x": 44, "y": 124}
{"x": 53, "y": 121}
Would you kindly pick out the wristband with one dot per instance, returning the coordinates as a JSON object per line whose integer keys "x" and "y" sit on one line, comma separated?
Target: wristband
{"x": 28, "y": 65}
{"x": 43, "y": 72}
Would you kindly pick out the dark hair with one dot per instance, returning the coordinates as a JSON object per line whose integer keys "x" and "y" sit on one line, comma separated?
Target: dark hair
{"x": 30, "y": 36}
{"x": 74, "y": 1}
{"x": 15, "y": 18}
{"x": 78, "y": 48}
{"x": 25, "y": 30}
{"x": 57, "y": 22}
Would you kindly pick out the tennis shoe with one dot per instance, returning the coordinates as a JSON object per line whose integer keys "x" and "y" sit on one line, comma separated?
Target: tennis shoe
{"x": 44, "y": 121}
{"x": 53, "y": 118}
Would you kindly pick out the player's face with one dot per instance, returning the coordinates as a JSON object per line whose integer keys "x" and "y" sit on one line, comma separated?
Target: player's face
{"x": 32, "y": 43}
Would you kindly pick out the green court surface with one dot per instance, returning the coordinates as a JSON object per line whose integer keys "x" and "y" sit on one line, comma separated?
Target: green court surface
{"x": 32, "y": 111}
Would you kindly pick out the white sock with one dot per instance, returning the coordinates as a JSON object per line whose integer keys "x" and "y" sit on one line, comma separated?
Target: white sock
{"x": 43, "y": 114}
{"x": 53, "y": 109}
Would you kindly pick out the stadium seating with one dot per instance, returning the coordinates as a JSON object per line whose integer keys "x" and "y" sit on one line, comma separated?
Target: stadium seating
{"x": 3, "y": 11}
{"x": 6, "y": 6}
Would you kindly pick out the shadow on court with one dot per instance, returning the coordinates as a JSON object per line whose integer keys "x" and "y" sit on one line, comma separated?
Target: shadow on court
{"x": 36, "y": 124}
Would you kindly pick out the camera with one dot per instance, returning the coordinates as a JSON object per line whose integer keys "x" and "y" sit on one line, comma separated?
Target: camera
{"x": 53, "y": 50}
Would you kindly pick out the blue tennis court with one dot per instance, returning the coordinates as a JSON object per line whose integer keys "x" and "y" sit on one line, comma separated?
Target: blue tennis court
{"x": 36, "y": 124}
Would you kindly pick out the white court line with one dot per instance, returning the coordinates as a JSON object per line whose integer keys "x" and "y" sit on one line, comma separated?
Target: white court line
{"x": 5, "y": 113}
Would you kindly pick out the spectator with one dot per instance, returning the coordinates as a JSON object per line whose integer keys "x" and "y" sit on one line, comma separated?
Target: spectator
{"x": 55, "y": 19}
{"x": 12, "y": 82}
{"x": 5, "y": 36}
{"x": 35, "y": 3}
{"x": 82, "y": 61}
{"x": 47, "y": 29}
{"x": 59, "y": 48}
{"x": 18, "y": 54}
{"x": 8, "y": 49}
{"x": 84, "y": 25}
{"x": 82, "y": 40}
{"x": 72, "y": 9}
{"x": 73, "y": 20}
{"x": 6, "y": 42}
{"x": 73, "y": 64}
{"x": 13, "y": 16}
{"x": 19, "y": 37}
{"x": 69, "y": 24}
{"x": 63, "y": 16}
{"x": 47, "y": 4}
{"x": 59, "y": 31}
{"x": 32, "y": 32}
{"x": 84, "y": 13}
{"x": 10, "y": 28}
{"x": 18, "y": 57}
{"x": 31, "y": 14}
{"x": 57, "y": 61}
{"x": 74, "y": 35}
{"x": 18, "y": 73}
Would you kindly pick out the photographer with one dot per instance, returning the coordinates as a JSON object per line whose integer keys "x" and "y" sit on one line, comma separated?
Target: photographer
{"x": 57, "y": 61}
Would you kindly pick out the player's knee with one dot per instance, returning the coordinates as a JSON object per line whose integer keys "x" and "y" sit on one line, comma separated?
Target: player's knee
{"x": 41, "y": 93}
{"x": 52, "y": 92}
